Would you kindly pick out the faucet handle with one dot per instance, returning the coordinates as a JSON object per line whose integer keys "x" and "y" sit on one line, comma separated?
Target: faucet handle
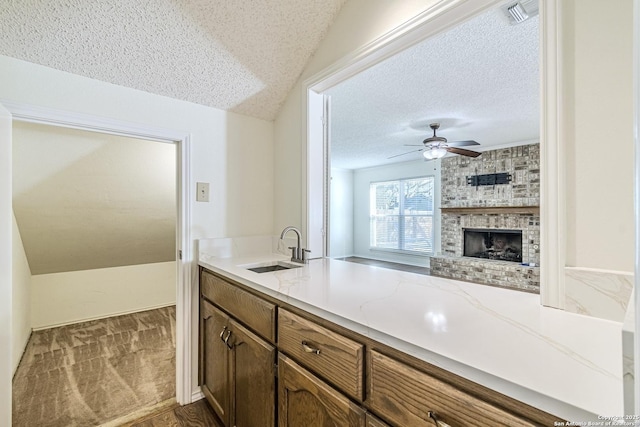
{"x": 304, "y": 253}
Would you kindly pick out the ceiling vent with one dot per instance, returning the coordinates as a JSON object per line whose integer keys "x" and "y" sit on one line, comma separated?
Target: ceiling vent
{"x": 518, "y": 12}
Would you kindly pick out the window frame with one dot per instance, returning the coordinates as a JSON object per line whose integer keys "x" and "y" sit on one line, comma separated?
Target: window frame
{"x": 402, "y": 217}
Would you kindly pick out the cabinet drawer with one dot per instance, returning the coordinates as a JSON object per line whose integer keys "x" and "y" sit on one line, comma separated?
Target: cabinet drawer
{"x": 336, "y": 358}
{"x": 404, "y": 396}
{"x": 249, "y": 309}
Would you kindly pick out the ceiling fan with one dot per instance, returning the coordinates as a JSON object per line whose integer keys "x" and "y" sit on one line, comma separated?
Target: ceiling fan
{"x": 436, "y": 147}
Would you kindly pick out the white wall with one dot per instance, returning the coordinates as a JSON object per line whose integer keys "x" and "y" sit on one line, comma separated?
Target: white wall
{"x": 362, "y": 178}
{"x": 70, "y": 297}
{"x": 232, "y": 152}
{"x": 599, "y": 139}
{"x": 86, "y": 200}
{"x": 341, "y": 213}
{"x": 6, "y": 214}
{"x": 359, "y": 22}
{"x": 21, "y": 298}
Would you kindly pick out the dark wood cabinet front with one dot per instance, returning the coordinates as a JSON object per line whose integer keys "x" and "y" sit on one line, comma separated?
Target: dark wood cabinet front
{"x": 214, "y": 360}
{"x": 246, "y": 338}
{"x": 237, "y": 372}
{"x": 306, "y": 401}
{"x": 253, "y": 379}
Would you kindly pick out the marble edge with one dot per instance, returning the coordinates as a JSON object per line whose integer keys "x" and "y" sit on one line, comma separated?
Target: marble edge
{"x": 516, "y": 391}
{"x": 598, "y": 293}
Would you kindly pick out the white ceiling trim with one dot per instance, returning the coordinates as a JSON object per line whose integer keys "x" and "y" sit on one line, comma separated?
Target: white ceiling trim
{"x": 81, "y": 121}
{"x": 441, "y": 17}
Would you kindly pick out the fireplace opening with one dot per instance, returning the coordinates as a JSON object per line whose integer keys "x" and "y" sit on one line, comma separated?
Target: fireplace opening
{"x": 503, "y": 245}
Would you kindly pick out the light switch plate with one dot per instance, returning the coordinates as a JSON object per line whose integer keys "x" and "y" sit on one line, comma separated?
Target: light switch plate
{"x": 202, "y": 192}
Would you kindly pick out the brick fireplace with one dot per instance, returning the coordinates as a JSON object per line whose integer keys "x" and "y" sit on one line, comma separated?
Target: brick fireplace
{"x": 510, "y": 209}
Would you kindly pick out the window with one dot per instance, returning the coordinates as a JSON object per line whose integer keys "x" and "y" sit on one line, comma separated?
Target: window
{"x": 402, "y": 215}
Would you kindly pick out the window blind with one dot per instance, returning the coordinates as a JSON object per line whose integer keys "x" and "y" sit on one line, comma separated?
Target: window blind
{"x": 402, "y": 215}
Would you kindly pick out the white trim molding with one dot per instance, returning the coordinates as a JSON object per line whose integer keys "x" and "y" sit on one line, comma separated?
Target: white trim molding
{"x": 442, "y": 16}
{"x": 197, "y": 395}
{"x": 552, "y": 159}
{"x": 635, "y": 398}
{"x": 185, "y": 266}
{"x": 6, "y": 267}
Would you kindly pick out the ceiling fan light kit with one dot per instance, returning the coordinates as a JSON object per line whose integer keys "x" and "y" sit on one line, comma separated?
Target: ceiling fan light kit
{"x": 436, "y": 147}
{"x": 434, "y": 153}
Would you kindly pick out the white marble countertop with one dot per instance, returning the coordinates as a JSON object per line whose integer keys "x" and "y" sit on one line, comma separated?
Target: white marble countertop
{"x": 567, "y": 364}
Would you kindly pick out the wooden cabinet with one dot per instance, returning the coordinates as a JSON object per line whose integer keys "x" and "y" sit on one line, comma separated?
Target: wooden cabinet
{"x": 336, "y": 358}
{"x": 259, "y": 315}
{"x": 306, "y": 401}
{"x": 237, "y": 367}
{"x": 405, "y": 396}
{"x": 322, "y": 372}
{"x": 253, "y": 378}
{"x": 214, "y": 360}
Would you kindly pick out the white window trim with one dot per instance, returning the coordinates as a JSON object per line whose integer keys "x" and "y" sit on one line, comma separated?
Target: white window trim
{"x": 401, "y": 215}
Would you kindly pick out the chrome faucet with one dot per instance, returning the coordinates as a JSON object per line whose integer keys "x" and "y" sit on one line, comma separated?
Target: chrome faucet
{"x": 298, "y": 254}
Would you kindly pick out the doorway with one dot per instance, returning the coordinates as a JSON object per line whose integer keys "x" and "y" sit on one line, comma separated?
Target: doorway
{"x": 183, "y": 272}
{"x": 95, "y": 219}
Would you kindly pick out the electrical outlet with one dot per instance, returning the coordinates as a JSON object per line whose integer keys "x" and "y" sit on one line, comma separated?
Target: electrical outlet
{"x": 202, "y": 192}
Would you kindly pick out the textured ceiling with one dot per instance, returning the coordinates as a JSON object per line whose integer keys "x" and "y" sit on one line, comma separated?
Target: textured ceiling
{"x": 479, "y": 80}
{"x": 84, "y": 200}
{"x": 240, "y": 55}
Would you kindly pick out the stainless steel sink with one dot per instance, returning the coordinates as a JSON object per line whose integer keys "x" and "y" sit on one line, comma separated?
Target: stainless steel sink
{"x": 276, "y": 267}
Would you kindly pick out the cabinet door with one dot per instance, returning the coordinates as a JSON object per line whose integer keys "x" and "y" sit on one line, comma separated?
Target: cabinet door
{"x": 253, "y": 378}
{"x": 306, "y": 401}
{"x": 214, "y": 360}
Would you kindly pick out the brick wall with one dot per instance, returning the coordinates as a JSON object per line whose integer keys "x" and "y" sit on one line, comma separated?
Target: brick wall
{"x": 523, "y": 163}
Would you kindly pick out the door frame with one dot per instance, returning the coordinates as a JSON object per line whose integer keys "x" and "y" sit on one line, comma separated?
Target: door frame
{"x": 184, "y": 249}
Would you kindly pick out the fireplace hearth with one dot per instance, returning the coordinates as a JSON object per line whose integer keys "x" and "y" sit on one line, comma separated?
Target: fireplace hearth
{"x": 502, "y": 245}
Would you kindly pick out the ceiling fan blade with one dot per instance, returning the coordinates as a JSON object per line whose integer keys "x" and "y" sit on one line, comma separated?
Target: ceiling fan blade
{"x": 412, "y": 151}
{"x": 413, "y": 145}
{"x": 462, "y": 143}
{"x": 462, "y": 152}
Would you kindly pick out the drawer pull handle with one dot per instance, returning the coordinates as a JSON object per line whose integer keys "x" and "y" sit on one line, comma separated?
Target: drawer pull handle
{"x": 308, "y": 349}
{"x": 437, "y": 422}
{"x": 225, "y": 339}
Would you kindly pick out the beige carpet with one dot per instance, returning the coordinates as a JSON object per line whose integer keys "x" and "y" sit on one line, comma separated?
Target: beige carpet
{"x": 89, "y": 373}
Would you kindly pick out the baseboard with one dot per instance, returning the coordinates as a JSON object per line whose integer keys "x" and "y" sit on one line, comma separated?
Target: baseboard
{"x": 24, "y": 348}
{"x": 197, "y": 395}
{"x": 104, "y": 316}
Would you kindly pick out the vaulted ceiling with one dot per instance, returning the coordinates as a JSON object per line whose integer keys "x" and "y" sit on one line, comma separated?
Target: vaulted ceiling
{"x": 86, "y": 200}
{"x": 241, "y": 55}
